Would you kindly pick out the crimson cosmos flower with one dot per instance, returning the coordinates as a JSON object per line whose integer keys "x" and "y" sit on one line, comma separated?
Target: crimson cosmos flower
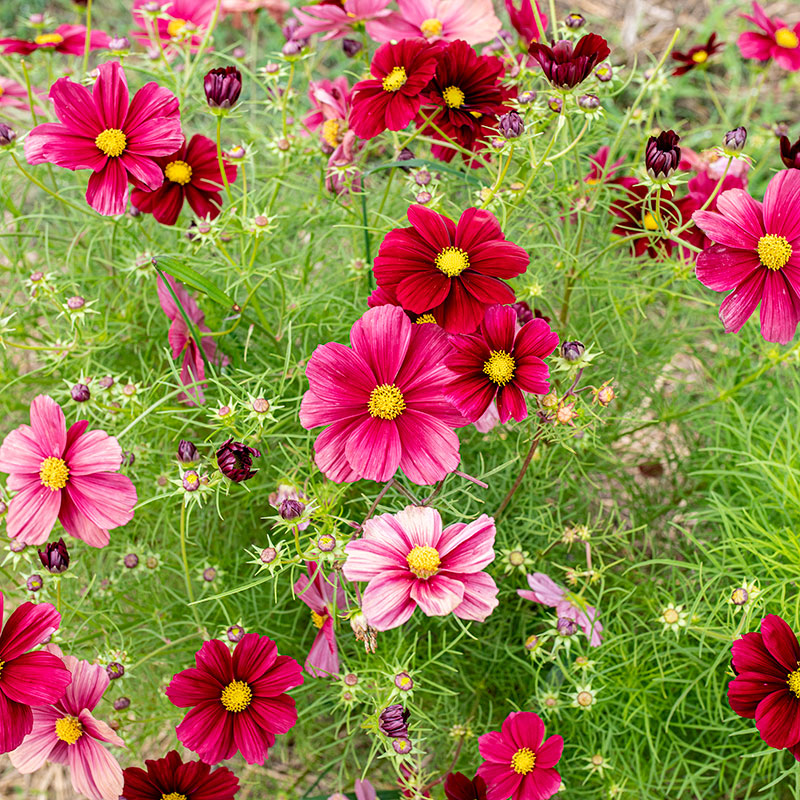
{"x": 67, "y": 39}
{"x": 455, "y": 270}
{"x": 790, "y": 153}
{"x": 191, "y": 174}
{"x": 458, "y": 786}
{"x": 697, "y": 55}
{"x": 524, "y": 21}
{"x": 565, "y": 65}
{"x": 235, "y": 460}
{"x": 391, "y": 98}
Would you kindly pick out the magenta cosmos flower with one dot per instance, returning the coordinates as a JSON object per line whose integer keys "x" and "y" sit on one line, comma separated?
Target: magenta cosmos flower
{"x": 409, "y": 561}
{"x": 331, "y": 102}
{"x": 66, "y": 732}
{"x": 439, "y": 20}
{"x": 453, "y": 270}
{"x": 776, "y": 40}
{"x": 338, "y": 19}
{"x": 238, "y": 702}
{"x": 104, "y": 132}
{"x": 767, "y": 683}
{"x": 174, "y": 779}
{"x": 546, "y": 591}
{"x": 500, "y": 363}
{"x": 27, "y": 679}
{"x": 383, "y": 402}
{"x": 524, "y": 19}
{"x": 67, "y": 39}
{"x": 15, "y": 95}
{"x": 184, "y": 18}
{"x": 757, "y": 254}
{"x": 63, "y": 474}
{"x": 519, "y": 765}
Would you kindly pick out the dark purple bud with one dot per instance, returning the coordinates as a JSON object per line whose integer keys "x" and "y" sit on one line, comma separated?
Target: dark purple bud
{"x": 566, "y": 626}
{"x": 115, "y": 670}
{"x": 401, "y": 745}
{"x": 740, "y": 596}
{"x": 131, "y": 561}
{"x": 223, "y": 86}
{"x": 80, "y": 393}
{"x": 326, "y": 543}
{"x": 351, "y": 47}
{"x": 575, "y": 21}
{"x": 7, "y": 135}
{"x": 291, "y": 25}
{"x": 235, "y": 633}
{"x": 128, "y": 458}
{"x": 291, "y": 509}
{"x": 121, "y": 703}
{"x": 589, "y": 102}
{"x": 735, "y": 140}
{"x": 55, "y": 557}
{"x": 604, "y": 73}
{"x": 572, "y": 351}
{"x": 393, "y": 721}
{"x": 555, "y": 104}
{"x": 662, "y": 155}
{"x": 405, "y": 154}
{"x": 780, "y": 129}
{"x": 34, "y": 583}
{"x": 235, "y": 460}
{"x": 790, "y": 153}
{"x": 422, "y": 177}
{"x": 523, "y": 311}
{"x": 187, "y": 452}
{"x": 190, "y": 480}
{"x": 511, "y": 125}
{"x": 16, "y": 546}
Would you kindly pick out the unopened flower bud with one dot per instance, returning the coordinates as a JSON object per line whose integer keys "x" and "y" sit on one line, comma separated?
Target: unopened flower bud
{"x": 34, "y": 583}
{"x": 526, "y": 98}
{"x": 292, "y": 48}
{"x": 575, "y": 20}
{"x": 572, "y": 351}
{"x": 260, "y": 405}
{"x": 239, "y": 52}
{"x": 735, "y": 140}
{"x": 75, "y": 303}
{"x": 80, "y": 393}
{"x": 605, "y": 394}
{"x": 662, "y": 155}
{"x": 511, "y": 125}
{"x": 401, "y": 745}
{"x": 423, "y": 198}
{"x": 119, "y": 43}
{"x": 326, "y": 543}
{"x": 422, "y": 177}
{"x": 36, "y": 19}
{"x": 121, "y": 703}
{"x": 740, "y": 596}
{"x": 55, "y": 557}
{"x": 393, "y": 721}
{"x": 268, "y": 555}
{"x": 115, "y": 670}
{"x": 236, "y": 152}
{"x": 209, "y": 573}
{"x": 131, "y": 560}
{"x": 403, "y": 681}
{"x": 235, "y": 633}
{"x": 589, "y": 102}
{"x": 351, "y": 47}
{"x": 223, "y": 86}
{"x": 235, "y": 460}
{"x": 351, "y": 679}
{"x": 604, "y": 72}
{"x": 261, "y": 220}
{"x": 187, "y": 452}
{"x": 106, "y": 383}
{"x": 7, "y": 135}
{"x": 566, "y": 626}
{"x": 555, "y": 104}
{"x": 532, "y": 642}
{"x": 190, "y": 480}
{"x": 291, "y": 509}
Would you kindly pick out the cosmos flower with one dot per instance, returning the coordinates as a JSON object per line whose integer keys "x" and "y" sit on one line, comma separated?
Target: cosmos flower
{"x": 458, "y": 786}
{"x": 697, "y": 55}
{"x": 190, "y": 18}
{"x": 343, "y": 175}
{"x": 102, "y": 131}
{"x": 66, "y": 732}
{"x": 174, "y": 779}
{"x": 191, "y": 174}
{"x": 337, "y": 19}
{"x": 518, "y": 763}
{"x": 70, "y": 475}
{"x": 756, "y": 253}
{"x": 235, "y": 460}
{"x": 15, "y": 95}
{"x": 499, "y": 364}
{"x": 546, "y": 591}
{"x": 28, "y": 678}
{"x": 238, "y": 702}
{"x": 774, "y": 41}
{"x": 383, "y": 402}
{"x": 331, "y": 102}
{"x": 790, "y": 153}
{"x": 392, "y": 97}
{"x": 454, "y": 270}
{"x": 601, "y": 171}
{"x": 566, "y": 65}
{"x": 524, "y": 20}
{"x": 408, "y": 560}
{"x": 67, "y": 39}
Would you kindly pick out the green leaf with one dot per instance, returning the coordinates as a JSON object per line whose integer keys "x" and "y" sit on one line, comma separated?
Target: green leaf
{"x": 185, "y": 274}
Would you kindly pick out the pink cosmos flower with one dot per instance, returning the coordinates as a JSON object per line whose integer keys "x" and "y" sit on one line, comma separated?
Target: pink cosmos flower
{"x": 601, "y": 170}
{"x": 317, "y": 591}
{"x": 383, "y": 402}
{"x": 238, "y": 702}
{"x": 776, "y": 40}
{"x": 343, "y": 175}
{"x": 409, "y": 561}
{"x": 66, "y": 732}
{"x": 104, "y": 132}
{"x": 67, "y": 39}
{"x": 28, "y": 679}
{"x": 182, "y": 342}
{"x": 757, "y": 254}
{"x": 66, "y": 474}
{"x": 364, "y": 791}
{"x": 337, "y": 21}
{"x": 182, "y": 17}
{"x": 277, "y": 9}
{"x": 714, "y": 164}
{"x": 15, "y": 95}
{"x": 546, "y": 591}
{"x": 519, "y": 765}
{"x": 331, "y": 102}
{"x": 439, "y": 20}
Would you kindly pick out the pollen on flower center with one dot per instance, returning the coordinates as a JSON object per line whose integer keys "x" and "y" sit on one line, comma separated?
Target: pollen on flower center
{"x": 386, "y": 401}
{"x": 452, "y": 261}
{"x": 236, "y": 696}
{"x": 69, "y": 729}
{"x": 793, "y": 679}
{"x": 500, "y": 367}
{"x": 1, "y": 667}
{"x": 671, "y": 616}
{"x": 786, "y": 38}
{"x": 395, "y": 80}
{"x": 49, "y": 38}
{"x": 431, "y": 27}
{"x": 453, "y": 96}
{"x": 54, "y": 473}
{"x": 178, "y": 172}
{"x": 425, "y": 318}
{"x": 700, "y": 56}
{"x": 112, "y": 141}
{"x": 522, "y": 762}
{"x": 649, "y": 222}
{"x": 774, "y": 251}
{"x": 424, "y": 561}
{"x": 330, "y": 131}
{"x": 175, "y": 27}
{"x": 173, "y": 796}
{"x": 318, "y": 619}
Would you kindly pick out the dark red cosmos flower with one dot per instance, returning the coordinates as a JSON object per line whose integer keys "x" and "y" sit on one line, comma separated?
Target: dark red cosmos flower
{"x": 524, "y": 22}
{"x": 387, "y": 297}
{"x": 171, "y": 778}
{"x": 662, "y": 155}
{"x": 601, "y": 171}
{"x": 452, "y": 271}
{"x": 235, "y": 460}
{"x": 565, "y": 65}
{"x": 499, "y": 363}
{"x": 391, "y": 99}
{"x": 458, "y": 786}
{"x": 701, "y": 187}
{"x": 191, "y": 174}
{"x": 697, "y": 55}
{"x": 790, "y": 153}
{"x": 767, "y": 683}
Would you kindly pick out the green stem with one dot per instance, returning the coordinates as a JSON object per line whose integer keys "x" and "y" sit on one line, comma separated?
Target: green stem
{"x": 38, "y": 183}
{"x": 86, "y": 46}
{"x": 189, "y": 590}
{"x": 221, "y": 161}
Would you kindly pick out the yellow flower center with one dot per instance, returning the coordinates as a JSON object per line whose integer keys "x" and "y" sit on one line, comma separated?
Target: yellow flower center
{"x": 236, "y": 696}
{"x": 49, "y": 38}
{"x": 522, "y": 762}
{"x": 739, "y": 596}
{"x": 452, "y": 261}
{"x": 175, "y": 27}
{"x": 453, "y": 96}
{"x": 173, "y": 796}
{"x": 330, "y": 131}
{"x": 649, "y": 222}
{"x": 111, "y": 141}
{"x": 178, "y": 172}
{"x": 54, "y": 473}
{"x": 500, "y": 367}
{"x": 671, "y": 616}
{"x": 585, "y": 699}
{"x": 793, "y": 679}
{"x": 395, "y": 80}
{"x": 431, "y": 27}
{"x": 1, "y": 667}
{"x": 774, "y": 251}
{"x": 424, "y": 561}
{"x": 425, "y": 318}
{"x": 786, "y": 38}
{"x": 386, "y": 402}
{"x": 318, "y": 619}
{"x": 700, "y": 56}
{"x": 592, "y": 181}
{"x": 69, "y": 730}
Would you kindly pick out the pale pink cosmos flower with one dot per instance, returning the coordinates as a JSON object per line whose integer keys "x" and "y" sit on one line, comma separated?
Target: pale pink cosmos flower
{"x": 336, "y": 21}
{"x": 409, "y": 561}
{"x": 277, "y": 9}
{"x": 67, "y": 733}
{"x": 546, "y": 591}
{"x": 474, "y": 21}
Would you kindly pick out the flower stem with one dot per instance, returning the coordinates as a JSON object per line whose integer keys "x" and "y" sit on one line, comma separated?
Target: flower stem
{"x": 189, "y": 590}
{"x": 87, "y": 45}
{"x": 221, "y": 161}
{"x": 525, "y": 464}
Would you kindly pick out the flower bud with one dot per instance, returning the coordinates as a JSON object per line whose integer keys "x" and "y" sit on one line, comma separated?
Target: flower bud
{"x": 209, "y": 573}
{"x": 292, "y": 48}
{"x": 555, "y": 104}
{"x": 526, "y": 98}
{"x": 422, "y": 177}
{"x": 589, "y": 102}
{"x": 401, "y": 745}
{"x": 235, "y": 633}
{"x": 239, "y": 52}
{"x": 55, "y": 557}
{"x": 735, "y": 140}
{"x": 7, "y": 135}
{"x": 34, "y": 583}
{"x": 291, "y": 509}
{"x": 423, "y": 198}
{"x": 351, "y": 47}
{"x": 566, "y": 626}
{"x": 604, "y": 72}
{"x": 662, "y": 155}
{"x": 115, "y": 670}
{"x": 75, "y": 303}
{"x": 326, "y": 543}
{"x": 572, "y": 351}
{"x": 106, "y": 383}
{"x": 190, "y": 480}
{"x": 393, "y": 721}
{"x": 268, "y": 555}
{"x": 36, "y": 19}
{"x": 128, "y": 458}
{"x": 80, "y": 393}
{"x": 119, "y": 43}
{"x": 740, "y": 596}
{"x": 351, "y": 679}
{"x": 260, "y": 405}
{"x": 187, "y": 452}
{"x": 790, "y": 153}
{"x": 403, "y": 682}
{"x": 235, "y": 460}
{"x": 511, "y": 125}
{"x": 223, "y": 86}
{"x": 121, "y": 703}
{"x": 575, "y": 20}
